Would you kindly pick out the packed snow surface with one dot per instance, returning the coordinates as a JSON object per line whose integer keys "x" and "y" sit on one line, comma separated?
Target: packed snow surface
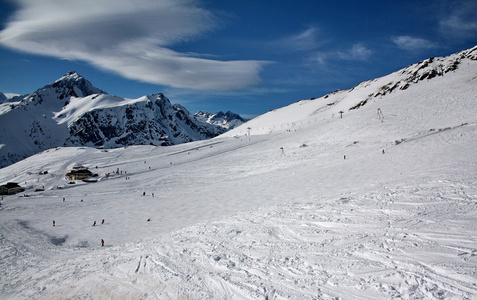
{"x": 378, "y": 204}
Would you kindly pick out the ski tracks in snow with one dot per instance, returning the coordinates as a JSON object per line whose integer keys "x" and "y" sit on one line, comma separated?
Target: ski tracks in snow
{"x": 384, "y": 244}
{"x": 379, "y": 245}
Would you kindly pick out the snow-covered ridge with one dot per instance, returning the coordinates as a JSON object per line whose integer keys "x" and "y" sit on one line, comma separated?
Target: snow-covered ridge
{"x": 72, "y": 112}
{"x": 343, "y": 102}
{"x": 424, "y": 70}
{"x": 146, "y": 120}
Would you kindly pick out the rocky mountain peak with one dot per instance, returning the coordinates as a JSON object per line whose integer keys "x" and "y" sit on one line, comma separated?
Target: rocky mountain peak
{"x": 226, "y": 120}
{"x": 70, "y": 85}
{"x": 73, "y": 85}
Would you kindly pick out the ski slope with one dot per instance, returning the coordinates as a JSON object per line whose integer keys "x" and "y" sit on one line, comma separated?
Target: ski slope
{"x": 305, "y": 207}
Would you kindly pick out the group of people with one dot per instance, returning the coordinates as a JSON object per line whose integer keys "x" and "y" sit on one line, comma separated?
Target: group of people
{"x": 94, "y": 224}
{"x": 102, "y": 222}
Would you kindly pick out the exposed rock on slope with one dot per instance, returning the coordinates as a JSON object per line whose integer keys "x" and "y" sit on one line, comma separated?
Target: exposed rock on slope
{"x": 426, "y": 69}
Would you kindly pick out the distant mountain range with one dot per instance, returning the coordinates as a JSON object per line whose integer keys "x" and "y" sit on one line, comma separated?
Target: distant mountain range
{"x": 228, "y": 120}
{"x": 72, "y": 112}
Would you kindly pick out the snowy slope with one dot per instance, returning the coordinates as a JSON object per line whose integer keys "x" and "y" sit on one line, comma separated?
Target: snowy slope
{"x": 277, "y": 214}
{"x": 440, "y": 70}
{"x": 72, "y": 112}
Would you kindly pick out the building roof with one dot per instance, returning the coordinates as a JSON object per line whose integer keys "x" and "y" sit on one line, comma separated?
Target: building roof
{"x": 10, "y": 185}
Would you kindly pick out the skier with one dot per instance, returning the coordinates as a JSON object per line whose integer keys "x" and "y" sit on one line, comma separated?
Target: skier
{"x": 54, "y": 223}
{"x": 383, "y": 151}
{"x": 102, "y": 243}
{"x": 102, "y": 222}
{"x": 94, "y": 224}
{"x": 149, "y": 219}
{"x": 345, "y": 157}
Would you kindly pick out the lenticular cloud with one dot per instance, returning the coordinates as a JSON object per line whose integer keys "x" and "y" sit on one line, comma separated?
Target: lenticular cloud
{"x": 128, "y": 37}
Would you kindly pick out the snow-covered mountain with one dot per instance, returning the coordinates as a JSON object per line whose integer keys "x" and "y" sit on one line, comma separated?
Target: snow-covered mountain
{"x": 368, "y": 193}
{"x": 2, "y": 97}
{"x": 8, "y": 96}
{"x": 228, "y": 120}
{"x": 343, "y": 102}
{"x": 72, "y": 112}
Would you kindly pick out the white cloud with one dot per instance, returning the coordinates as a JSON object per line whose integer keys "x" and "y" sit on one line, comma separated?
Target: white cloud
{"x": 320, "y": 57}
{"x": 412, "y": 43}
{"x": 303, "y": 41}
{"x": 129, "y": 37}
{"x": 357, "y": 52}
{"x": 461, "y": 23}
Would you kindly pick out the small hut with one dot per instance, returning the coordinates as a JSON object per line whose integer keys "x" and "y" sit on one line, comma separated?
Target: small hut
{"x": 11, "y": 188}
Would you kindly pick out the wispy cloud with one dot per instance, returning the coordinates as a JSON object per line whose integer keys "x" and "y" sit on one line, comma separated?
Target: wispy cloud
{"x": 130, "y": 38}
{"x": 461, "y": 23}
{"x": 412, "y": 43}
{"x": 303, "y": 41}
{"x": 358, "y": 52}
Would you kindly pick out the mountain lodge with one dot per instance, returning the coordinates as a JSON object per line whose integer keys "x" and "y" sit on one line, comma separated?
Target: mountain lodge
{"x": 79, "y": 173}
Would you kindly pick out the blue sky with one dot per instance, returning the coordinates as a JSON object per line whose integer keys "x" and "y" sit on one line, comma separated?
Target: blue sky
{"x": 247, "y": 56}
